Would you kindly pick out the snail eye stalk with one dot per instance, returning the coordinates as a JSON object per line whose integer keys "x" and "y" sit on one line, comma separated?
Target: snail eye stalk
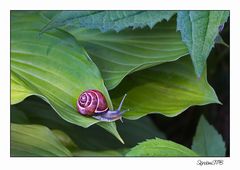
{"x": 120, "y": 105}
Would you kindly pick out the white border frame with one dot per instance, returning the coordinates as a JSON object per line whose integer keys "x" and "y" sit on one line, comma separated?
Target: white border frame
{"x": 116, "y": 163}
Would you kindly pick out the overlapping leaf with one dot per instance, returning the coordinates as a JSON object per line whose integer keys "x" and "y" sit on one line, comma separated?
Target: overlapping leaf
{"x": 108, "y": 20}
{"x": 18, "y": 91}
{"x": 207, "y": 141}
{"x": 199, "y": 30}
{"x": 167, "y": 89}
{"x": 53, "y": 67}
{"x": 35, "y": 140}
{"x": 159, "y": 147}
{"x": 119, "y": 54}
{"x": 65, "y": 140}
{"x": 36, "y": 111}
{"x": 38, "y": 140}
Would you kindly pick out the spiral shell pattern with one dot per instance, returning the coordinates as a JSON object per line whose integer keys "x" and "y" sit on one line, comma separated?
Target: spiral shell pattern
{"x": 91, "y": 102}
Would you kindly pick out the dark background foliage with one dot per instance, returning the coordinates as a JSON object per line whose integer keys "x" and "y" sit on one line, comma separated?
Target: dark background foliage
{"x": 181, "y": 128}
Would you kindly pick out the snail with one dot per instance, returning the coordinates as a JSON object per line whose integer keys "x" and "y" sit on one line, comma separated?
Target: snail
{"x": 93, "y": 103}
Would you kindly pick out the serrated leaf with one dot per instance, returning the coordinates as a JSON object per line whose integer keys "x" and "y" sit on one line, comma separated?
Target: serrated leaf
{"x": 35, "y": 140}
{"x": 108, "y": 20}
{"x": 159, "y": 147}
{"x": 168, "y": 89}
{"x": 207, "y": 141}
{"x": 93, "y": 138}
{"x": 119, "y": 54}
{"x": 199, "y": 30}
{"x": 54, "y": 67}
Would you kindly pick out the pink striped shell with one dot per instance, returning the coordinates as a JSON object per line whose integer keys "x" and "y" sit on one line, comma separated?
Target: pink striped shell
{"x": 92, "y": 102}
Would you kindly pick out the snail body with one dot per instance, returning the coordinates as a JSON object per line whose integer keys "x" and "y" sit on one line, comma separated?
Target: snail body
{"x": 93, "y": 103}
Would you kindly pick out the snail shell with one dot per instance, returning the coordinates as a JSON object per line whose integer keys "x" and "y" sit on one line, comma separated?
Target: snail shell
{"x": 93, "y": 103}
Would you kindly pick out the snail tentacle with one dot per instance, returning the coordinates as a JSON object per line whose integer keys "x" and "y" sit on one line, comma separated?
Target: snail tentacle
{"x": 120, "y": 105}
{"x": 112, "y": 115}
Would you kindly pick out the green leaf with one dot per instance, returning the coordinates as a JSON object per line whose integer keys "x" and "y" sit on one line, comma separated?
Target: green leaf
{"x": 93, "y": 138}
{"x": 168, "y": 89}
{"x": 35, "y": 140}
{"x": 18, "y": 91}
{"x": 104, "y": 153}
{"x": 119, "y": 54}
{"x": 111, "y": 128}
{"x": 207, "y": 141}
{"x": 199, "y": 30}
{"x": 54, "y": 67}
{"x": 132, "y": 134}
{"x": 159, "y": 147}
{"x": 108, "y": 20}
{"x": 65, "y": 140}
{"x": 219, "y": 40}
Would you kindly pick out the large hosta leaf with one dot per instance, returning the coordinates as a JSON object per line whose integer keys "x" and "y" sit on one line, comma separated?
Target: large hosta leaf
{"x": 159, "y": 147}
{"x": 35, "y": 140}
{"x": 108, "y": 20}
{"x": 207, "y": 141}
{"x": 93, "y": 138}
{"x": 53, "y": 67}
{"x": 119, "y": 54}
{"x": 199, "y": 30}
{"x": 167, "y": 89}
{"x": 18, "y": 91}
